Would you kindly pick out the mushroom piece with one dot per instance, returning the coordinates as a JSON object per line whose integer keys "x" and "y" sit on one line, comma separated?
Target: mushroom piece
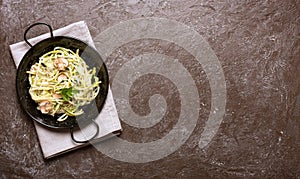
{"x": 56, "y": 95}
{"x": 45, "y": 107}
{"x": 62, "y": 77}
{"x": 60, "y": 63}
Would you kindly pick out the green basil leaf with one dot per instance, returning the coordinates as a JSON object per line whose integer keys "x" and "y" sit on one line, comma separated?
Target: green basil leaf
{"x": 66, "y": 93}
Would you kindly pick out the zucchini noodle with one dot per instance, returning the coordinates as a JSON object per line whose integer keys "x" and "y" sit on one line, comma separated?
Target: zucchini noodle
{"x": 61, "y": 83}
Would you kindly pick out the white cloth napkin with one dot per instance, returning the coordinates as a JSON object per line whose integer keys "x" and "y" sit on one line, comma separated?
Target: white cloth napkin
{"x": 52, "y": 141}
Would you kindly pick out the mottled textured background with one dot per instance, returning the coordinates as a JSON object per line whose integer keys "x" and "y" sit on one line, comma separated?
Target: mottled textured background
{"x": 258, "y": 45}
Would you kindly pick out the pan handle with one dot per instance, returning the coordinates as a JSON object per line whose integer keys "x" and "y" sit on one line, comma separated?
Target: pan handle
{"x": 35, "y": 24}
{"x": 84, "y": 141}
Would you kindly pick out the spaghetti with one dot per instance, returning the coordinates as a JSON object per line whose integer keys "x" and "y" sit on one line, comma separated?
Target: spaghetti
{"x": 61, "y": 83}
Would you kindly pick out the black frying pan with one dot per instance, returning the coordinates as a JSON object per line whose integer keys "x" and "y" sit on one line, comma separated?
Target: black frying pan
{"x": 92, "y": 59}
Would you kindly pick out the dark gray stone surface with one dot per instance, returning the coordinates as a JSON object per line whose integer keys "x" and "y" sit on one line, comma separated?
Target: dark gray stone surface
{"x": 258, "y": 45}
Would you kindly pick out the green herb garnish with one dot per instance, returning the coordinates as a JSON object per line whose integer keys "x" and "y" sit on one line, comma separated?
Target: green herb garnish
{"x": 67, "y": 93}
